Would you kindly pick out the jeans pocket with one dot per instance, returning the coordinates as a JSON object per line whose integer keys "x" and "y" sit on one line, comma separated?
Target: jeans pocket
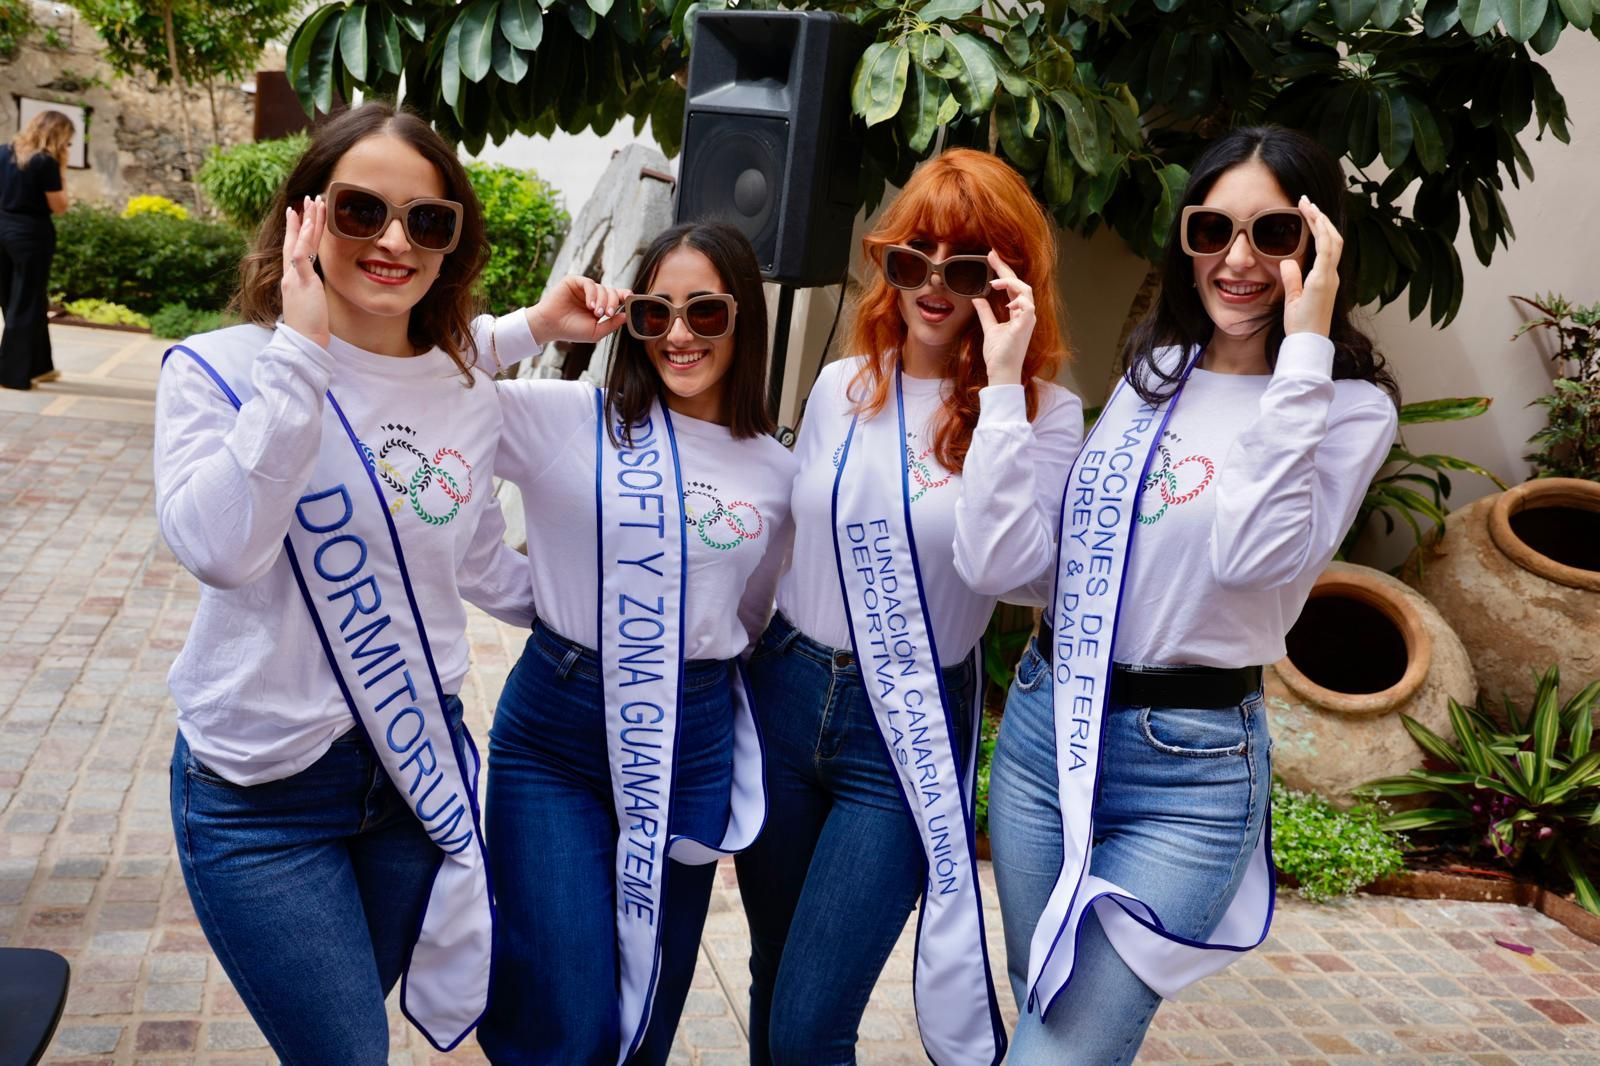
{"x": 194, "y": 768}
{"x": 1032, "y": 671}
{"x": 1196, "y": 733}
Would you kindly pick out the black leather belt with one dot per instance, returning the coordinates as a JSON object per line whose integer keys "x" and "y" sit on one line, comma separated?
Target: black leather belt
{"x": 1204, "y": 687}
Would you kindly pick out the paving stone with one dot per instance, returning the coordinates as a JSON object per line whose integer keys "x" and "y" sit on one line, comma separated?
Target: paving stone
{"x": 86, "y": 1039}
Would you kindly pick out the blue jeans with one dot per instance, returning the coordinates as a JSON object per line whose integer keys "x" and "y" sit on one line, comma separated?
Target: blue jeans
{"x": 552, "y": 830}
{"x": 310, "y": 890}
{"x": 829, "y": 885}
{"x": 1183, "y": 796}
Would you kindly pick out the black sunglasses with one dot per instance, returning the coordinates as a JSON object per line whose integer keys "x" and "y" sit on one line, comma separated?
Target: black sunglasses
{"x": 359, "y": 214}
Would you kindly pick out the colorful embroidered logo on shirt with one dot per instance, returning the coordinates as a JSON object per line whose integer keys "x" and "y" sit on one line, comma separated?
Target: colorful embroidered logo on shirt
{"x": 1175, "y": 482}
{"x": 435, "y": 488}
{"x": 723, "y": 526}
{"x": 919, "y": 468}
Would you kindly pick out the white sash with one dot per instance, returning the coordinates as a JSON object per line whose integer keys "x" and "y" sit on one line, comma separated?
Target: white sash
{"x": 891, "y": 633}
{"x": 1096, "y": 537}
{"x": 641, "y": 557}
{"x": 346, "y": 556}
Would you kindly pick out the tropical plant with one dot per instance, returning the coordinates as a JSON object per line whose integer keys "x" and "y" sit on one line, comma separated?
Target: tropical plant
{"x": 241, "y": 181}
{"x": 1528, "y": 794}
{"x": 1415, "y": 487}
{"x": 1100, "y": 103}
{"x": 1330, "y": 852}
{"x": 1569, "y": 443}
{"x": 154, "y": 205}
{"x": 525, "y": 225}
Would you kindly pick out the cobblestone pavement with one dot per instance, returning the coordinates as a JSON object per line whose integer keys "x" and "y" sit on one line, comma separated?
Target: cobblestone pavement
{"x": 93, "y": 608}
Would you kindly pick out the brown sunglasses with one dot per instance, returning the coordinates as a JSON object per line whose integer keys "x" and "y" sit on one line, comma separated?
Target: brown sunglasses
{"x": 965, "y": 275}
{"x": 709, "y": 316}
{"x": 359, "y": 214}
{"x": 1276, "y": 233}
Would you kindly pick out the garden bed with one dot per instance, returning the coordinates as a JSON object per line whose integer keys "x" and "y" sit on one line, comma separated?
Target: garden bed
{"x": 1484, "y": 886}
{"x": 63, "y": 318}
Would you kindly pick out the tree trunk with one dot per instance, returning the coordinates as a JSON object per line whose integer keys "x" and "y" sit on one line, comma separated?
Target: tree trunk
{"x": 216, "y": 123}
{"x": 183, "y": 102}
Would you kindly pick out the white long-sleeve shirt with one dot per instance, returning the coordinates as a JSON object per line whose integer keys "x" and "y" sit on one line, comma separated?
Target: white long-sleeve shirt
{"x": 256, "y": 699}
{"x": 1253, "y": 485}
{"x": 979, "y": 533}
{"x": 736, "y": 506}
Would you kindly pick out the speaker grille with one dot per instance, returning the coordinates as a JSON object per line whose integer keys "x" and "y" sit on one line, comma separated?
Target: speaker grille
{"x": 735, "y": 174}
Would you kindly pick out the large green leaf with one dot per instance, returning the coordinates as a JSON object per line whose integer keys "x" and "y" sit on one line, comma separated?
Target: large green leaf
{"x": 383, "y": 30}
{"x": 510, "y": 62}
{"x": 1173, "y": 178}
{"x": 450, "y": 69}
{"x": 1522, "y": 18}
{"x": 353, "y": 40}
{"x": 1449, "y": 409}
{"x": 1425, "y": 136}
{"x": 1426, "y": 818}
{"x": 1431, "y": 742}
{"x": 1479, "y": 16}
{"x": 476, "y": 42}
{"x": 1082, "y": 137}
{"x": 1058, "y": 177}
{"x": 297, "y": 61}
{"x": 1582, "y": 884}
{"x": 600, "y": 7}
{"x": 1578, "y": 12}
{"x": 1015, "y": 120}
{"x": 1395, "y": 130}
{"x": 974, "y": 86}
{"x": 1297, "y": 14}
{"x": 1549, "y": 32}
{"x": 1439, "y": 16}
{"x": 322, "y": 61}
{"x": 522, "y": 22}
{"x": 1389, "y": 12}
{"x": 919, "y": 110}
{"x": 949, "y": 10}
{"x": 880, "y": 82}
{"x": 1350, "y": 15}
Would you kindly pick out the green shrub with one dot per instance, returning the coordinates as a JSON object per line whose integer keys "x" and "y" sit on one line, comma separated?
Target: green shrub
{"x": 106, "y": 313}
{"x": 154, "y": 205}
{"x": 144, "y": 262}
{"x": 1330, "y": 852}
{"x": 177, "y": 321}
{"x": 525, "y": 224}
{"x": 16, "y": 22}
{"x": 986, "y": 739}
{"x": 242, "y": 180}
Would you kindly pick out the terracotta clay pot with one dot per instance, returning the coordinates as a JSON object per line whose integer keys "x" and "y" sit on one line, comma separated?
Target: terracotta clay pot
{"x": 1517, "y": 575}
{"x": 1365, "y": 650}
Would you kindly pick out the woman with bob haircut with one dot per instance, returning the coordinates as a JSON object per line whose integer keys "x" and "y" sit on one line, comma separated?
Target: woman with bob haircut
{"x": 1131, "y": 781}
{"x": 326, "y": 470}
{"x": 623, "y": 756}
{"x": 930, "y": 468}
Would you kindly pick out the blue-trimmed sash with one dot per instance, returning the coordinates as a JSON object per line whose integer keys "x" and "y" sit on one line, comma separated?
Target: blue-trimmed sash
{"x": 1096, "y": 538}
{"x": 957, "y": 1013}
{"x": 641, "y": 555}
{"x": 346, "y": 557}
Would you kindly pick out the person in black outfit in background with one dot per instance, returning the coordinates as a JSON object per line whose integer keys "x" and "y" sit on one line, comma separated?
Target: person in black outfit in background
{"x": 30, "y": 192}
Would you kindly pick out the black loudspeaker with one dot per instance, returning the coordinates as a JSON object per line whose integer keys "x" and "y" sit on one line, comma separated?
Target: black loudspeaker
{"x": 769, "y": 142}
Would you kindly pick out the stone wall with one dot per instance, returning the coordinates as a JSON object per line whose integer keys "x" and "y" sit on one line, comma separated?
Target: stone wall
{"x": 135, "y": 135}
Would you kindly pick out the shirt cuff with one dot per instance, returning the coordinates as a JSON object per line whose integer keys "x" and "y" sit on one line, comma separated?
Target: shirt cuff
{"x": 319, "y": 358}
{"x": 1305, "y": 355}
{"x": 1002, "y": 403}
{"x": 514, "y": 340}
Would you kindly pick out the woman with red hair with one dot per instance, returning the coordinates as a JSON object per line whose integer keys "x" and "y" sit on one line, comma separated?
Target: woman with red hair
{"x": 930, "y": 470}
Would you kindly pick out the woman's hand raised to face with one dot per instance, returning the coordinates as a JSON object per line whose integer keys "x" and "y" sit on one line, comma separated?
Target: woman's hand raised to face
{"x": 305, "y": 303}
{"x": 1005, "y": 344}
{"x": 576, "y": 309}
{"x": 1308, "y": 304}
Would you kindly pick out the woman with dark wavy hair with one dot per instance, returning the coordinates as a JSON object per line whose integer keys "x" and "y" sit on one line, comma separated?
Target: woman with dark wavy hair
{"x": 1130, "y": 786}
{"x": 623, "y": 758}
{"x": 930, "y": 464}
{"x": 326, "y": 471}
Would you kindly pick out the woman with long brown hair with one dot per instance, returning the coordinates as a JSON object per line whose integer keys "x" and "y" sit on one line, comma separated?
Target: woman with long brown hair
{"x": 32, "y": 166}
{"x": 930, "y": 465}
{"x": 326, "y": 470}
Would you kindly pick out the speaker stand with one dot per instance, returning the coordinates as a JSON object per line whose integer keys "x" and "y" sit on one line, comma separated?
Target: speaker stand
{"x": 780, "y": 349}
